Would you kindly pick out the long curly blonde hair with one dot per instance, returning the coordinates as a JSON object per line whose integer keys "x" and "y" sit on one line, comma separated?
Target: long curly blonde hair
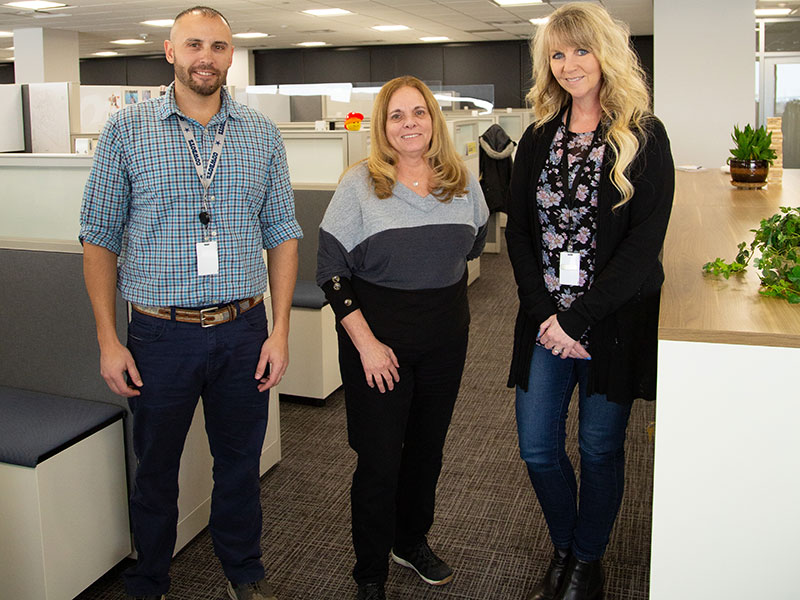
{"x": 624, "y": 96}
{"x": 450, "y": 173}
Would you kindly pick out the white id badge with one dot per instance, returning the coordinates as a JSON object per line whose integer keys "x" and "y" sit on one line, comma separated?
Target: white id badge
{"x": 207, "y": 258}
{"x": 569, "y": 268}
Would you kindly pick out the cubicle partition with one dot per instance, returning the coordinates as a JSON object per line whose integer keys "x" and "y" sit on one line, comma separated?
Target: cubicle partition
{"x": 465, "y": 133}
{"x": 320, "y": 157}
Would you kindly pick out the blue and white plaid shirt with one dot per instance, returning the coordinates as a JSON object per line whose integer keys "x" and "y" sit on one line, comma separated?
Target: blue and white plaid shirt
{"x": 143, "y": 198}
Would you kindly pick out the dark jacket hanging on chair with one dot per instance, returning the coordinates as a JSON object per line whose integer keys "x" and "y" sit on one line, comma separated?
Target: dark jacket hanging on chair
{"x": 495, "y": 167}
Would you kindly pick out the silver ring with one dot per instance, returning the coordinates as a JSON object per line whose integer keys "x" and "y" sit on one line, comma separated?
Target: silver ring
{"x": 556, "y": 352}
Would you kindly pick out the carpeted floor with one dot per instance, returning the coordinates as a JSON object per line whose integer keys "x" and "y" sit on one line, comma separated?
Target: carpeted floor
{"x": 488, "y": 522}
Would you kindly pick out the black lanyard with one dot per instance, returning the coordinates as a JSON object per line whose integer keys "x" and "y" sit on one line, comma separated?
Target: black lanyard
{"x": 571, "y": 190}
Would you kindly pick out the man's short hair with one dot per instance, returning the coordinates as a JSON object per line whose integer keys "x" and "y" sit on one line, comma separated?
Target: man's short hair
{"x": 206, "y": 11}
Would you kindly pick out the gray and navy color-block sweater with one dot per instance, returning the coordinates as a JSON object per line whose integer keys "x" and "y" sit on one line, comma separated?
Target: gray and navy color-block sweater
{"x": 401, "y": 260}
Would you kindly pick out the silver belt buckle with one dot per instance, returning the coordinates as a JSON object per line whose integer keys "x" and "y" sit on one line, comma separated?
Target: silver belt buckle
{"x": 203, "y": 312}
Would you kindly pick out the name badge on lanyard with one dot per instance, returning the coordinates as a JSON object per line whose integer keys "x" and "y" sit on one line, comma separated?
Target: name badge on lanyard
{"x": 207, "y": 250}
{"x": 569, "y": 269}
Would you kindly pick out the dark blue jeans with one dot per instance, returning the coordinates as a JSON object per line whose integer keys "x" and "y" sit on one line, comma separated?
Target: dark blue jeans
{"x": 580, "y": 521}
{"x": 179, "y": 362}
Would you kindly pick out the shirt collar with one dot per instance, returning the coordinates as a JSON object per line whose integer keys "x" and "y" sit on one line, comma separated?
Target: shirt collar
{"x": 228, "y": 109}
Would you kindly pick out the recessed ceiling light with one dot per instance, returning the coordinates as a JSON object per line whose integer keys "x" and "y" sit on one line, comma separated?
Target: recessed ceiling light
{"x": 6, "y": 34}
{"x": 250, "y": 35}
{"x": 105, "y": 53}
{"x": 772, "y": 12}
{"x": 36, "y": 4}
{"x": 159, "y": 23}
{"x": 310, "y": 44}
{"x": 435, "y": 38}
{"x": 327, "y": 12}
{"x": 390, "y": 28}
{"x": 516, "y": 2}
{"x": 133, "y": 42}
{"x": 540, "y": 20}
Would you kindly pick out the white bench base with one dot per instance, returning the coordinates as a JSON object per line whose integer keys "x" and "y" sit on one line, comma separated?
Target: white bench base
{"x": 64, "y": 523}
{"x": 313, "y": 370}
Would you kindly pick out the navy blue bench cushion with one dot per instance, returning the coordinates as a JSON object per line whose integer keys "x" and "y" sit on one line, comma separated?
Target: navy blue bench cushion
{"x": 307, "y": 294}
{"x": 36, "y": 426}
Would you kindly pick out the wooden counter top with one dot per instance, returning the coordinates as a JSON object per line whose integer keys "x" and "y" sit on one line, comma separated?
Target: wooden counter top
{"x": 709, "y": 218}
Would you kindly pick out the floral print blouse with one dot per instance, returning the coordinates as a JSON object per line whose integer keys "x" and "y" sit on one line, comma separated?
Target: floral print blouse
{"x": 562, "y": 226}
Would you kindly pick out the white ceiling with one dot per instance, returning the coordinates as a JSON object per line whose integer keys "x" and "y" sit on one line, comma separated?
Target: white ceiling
{"x": 100, "y": 21}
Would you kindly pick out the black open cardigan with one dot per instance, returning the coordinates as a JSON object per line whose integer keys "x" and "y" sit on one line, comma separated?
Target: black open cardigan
{"x": 622, "y": 304}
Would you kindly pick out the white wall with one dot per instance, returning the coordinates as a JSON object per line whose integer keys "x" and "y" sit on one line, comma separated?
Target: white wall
{"x": 704, "y": 75}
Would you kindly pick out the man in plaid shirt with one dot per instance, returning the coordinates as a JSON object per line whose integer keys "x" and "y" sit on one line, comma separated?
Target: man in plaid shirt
{"x": 184, "y": 193}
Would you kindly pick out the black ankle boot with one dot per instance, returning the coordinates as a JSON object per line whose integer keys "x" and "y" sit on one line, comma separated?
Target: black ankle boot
{"x": 553, "y": 579}
{"x": 584, "y": 581}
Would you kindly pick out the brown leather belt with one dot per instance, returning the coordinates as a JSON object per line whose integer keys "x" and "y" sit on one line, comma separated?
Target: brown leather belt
{"x": 207, "y": 317}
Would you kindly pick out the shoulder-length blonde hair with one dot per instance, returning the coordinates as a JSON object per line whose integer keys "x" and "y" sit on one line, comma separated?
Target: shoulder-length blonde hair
{"x": 450, "y": 174}
{"x": 624, "y": 97}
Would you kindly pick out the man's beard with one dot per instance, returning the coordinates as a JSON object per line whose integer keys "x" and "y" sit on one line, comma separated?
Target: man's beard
{"x": 207, "y": 88}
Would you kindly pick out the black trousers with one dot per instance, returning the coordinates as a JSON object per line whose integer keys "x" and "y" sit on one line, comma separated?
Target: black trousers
{"x": 398, "y": 436}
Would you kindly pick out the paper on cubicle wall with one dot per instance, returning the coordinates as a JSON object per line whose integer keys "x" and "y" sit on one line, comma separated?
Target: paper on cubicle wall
{"x": 98, "y": 102}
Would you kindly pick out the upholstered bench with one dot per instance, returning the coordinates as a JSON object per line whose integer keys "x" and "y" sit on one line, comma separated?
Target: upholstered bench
{"x": 63, "y": 494}
{"x": 313, "y": 372}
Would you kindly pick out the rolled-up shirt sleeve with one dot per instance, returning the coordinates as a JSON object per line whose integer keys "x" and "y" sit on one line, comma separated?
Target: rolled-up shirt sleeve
{"x": 106, "y": 196}
{"x": 278, "y": 222}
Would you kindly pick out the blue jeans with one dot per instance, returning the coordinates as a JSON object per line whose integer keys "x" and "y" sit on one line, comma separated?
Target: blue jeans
{"x": 179, "y": 362}
{"x": 584, "y": 524}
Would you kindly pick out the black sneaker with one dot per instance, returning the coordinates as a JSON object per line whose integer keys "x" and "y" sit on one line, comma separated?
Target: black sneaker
{"x": 371, "y": 591}
{"x": 428, "y": 566}
{"x": 258, "y": 590}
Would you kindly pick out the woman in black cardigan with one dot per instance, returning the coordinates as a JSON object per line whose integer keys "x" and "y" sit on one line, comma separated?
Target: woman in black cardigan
{"x": 591, "y": 194}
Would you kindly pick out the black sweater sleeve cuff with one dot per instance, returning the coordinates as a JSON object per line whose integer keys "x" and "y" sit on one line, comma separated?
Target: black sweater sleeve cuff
{"x": 340, "y": 293}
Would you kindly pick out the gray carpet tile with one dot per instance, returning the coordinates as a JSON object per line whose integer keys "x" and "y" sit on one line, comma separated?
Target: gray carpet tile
{"x": 488, "y": 522}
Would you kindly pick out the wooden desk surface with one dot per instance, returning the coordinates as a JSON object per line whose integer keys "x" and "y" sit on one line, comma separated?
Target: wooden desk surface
{"x": 709, "y": 218}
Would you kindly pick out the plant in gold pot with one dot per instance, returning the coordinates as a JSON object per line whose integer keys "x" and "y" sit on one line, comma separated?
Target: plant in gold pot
{"x": 752, "y": 156}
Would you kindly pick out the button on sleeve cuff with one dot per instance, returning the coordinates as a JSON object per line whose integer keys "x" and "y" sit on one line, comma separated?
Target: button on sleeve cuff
{"x": 339, "y": 292}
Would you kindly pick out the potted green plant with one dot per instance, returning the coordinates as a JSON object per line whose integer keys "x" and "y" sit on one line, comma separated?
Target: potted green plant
{"x": 752, "y": 156}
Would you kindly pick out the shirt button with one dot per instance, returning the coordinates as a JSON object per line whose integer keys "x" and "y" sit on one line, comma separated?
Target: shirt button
{"x": 347, "y": 302}
{"x": 337, "y": 286}
{"x": 335, "y": 279}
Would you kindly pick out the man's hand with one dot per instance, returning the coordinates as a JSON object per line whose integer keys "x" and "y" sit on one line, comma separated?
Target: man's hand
{"x": 115, "y": 361}
{"x": 275, "y": 353}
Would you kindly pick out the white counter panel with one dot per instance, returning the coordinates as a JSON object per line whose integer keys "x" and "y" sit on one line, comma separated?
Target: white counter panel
{"x": 727, "y": 456}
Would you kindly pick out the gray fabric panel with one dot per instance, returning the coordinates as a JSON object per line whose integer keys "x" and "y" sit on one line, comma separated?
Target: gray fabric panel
{"x": 48, "y": 341}
{"x": 307, "y": 294}
{"x": 35, "y": 426}
{"x": 310, "y": 206}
